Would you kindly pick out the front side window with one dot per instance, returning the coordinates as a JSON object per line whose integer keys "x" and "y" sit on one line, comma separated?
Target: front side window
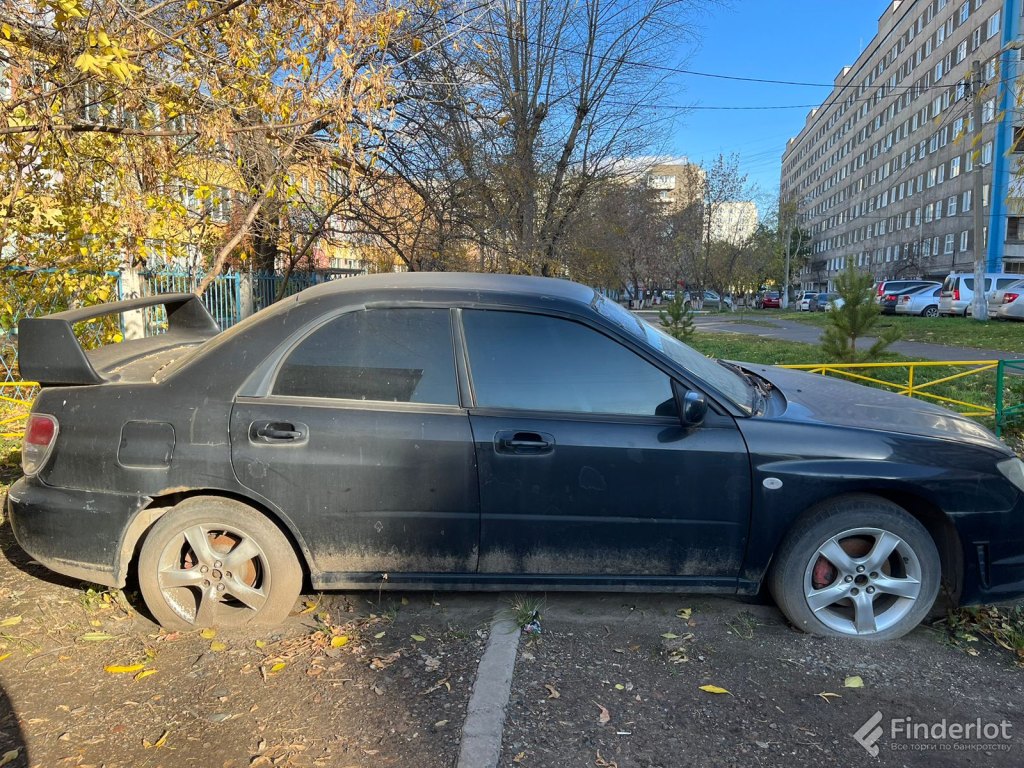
{"x": 541, "y": 363}
{"x": 384, "y": 355}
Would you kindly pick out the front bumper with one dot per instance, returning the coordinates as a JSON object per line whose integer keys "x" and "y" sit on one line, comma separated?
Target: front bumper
{"x": 72, "y": 532}
{"x": 993, "y": 555}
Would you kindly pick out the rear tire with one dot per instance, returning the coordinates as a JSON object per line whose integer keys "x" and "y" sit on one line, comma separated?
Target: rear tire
{"x": 932, "y": 311}
{"x": 857, "y": 567}
{"x": 212, "y": 561}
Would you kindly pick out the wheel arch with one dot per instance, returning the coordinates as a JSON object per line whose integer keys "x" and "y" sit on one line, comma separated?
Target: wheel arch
{"x": 142, "y": 523}
{"x": 938, "y": 524}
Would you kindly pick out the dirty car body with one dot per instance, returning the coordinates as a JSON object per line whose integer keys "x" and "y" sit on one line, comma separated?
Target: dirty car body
{"x": 480, "y": 431}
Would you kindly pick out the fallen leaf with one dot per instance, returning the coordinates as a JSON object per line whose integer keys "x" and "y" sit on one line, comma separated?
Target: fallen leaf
{"x": 552, "y": 691}
{"x": 118, "y": 669}
{"x": 670, "y": 636}
{"x": 440, "y": 723}
{"x": 261, "y": 643}
{"x": 95, "y": 637}
{"x": 339, "y": 641}
{"x": 217, "y": 646}
{"x": 405, "y": 601}
{"x": 853, "y": 681}
{"x": 158, "y": 743}
{"x": 520, "y": 756}
{"x": 418, "y": 638}
{"x": 10, "y": 756}
{"x": 713, "y": 689}
{"x": 600, "y": 762}
{"x": 379, "y": 635}
{"x": 620, "y": 687}
{"x": 684, "y": 613}
{"x": 4, "y": 656}
{"x": 309, "y": 606}
{"x": 208, "y": 634}
{"x": 826, "y": 696}
{"x": 277, "y": 667}
{"x": 605, "y": 715}
{"x": 144, "y": 674}
{"x": 10, "y": 621}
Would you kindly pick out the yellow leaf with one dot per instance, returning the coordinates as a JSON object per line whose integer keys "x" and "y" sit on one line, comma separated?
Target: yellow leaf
{"x": 217, "y": 646}
{"x": 4, "y": 656}
{"x": 670, "y": 636}
{"x": 379, "y": 635}
{"x": 158, "y": 743}
{"x": 95, "y": 637}
{"x": 261, "y": 643}
{"x": 208, "y": 634}
{"x": 339, "y": 641}
{"x": 10, "y": 756}
{"x": 684, "y": 613}
{"x": 277, "y": 667}
{"x": 144, "y": 674}
{"x": 102, "y": 37}
{"x": 117, "y": 669}
{"x": 417, "y": 45}
{"x": 713, "y": 689}
{"x": 10, "y": 621}
{"x": 853, "y": 681}
{"x": 418, "y": 638}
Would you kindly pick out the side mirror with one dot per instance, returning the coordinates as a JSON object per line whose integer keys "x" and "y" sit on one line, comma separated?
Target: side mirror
{"x": 694, "y": 409}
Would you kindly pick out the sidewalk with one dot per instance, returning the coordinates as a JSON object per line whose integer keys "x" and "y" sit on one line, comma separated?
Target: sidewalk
{"x": 791, "y": 330}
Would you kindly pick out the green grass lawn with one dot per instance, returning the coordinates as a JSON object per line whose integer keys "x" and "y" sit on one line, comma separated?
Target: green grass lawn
{"x": 951, "y": 331}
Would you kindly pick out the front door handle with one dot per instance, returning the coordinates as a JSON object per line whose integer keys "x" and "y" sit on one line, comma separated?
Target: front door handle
{"x": 277, "y": 432}
{"x": 523, "y": 443}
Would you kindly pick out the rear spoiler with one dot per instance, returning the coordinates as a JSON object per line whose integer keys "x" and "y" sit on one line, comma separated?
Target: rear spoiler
{"x": 49, "y": 353}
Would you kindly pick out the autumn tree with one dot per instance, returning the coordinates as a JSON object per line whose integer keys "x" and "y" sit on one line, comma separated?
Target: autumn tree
{"x": 134, "y": 121}
{"x": 529, "y": 104}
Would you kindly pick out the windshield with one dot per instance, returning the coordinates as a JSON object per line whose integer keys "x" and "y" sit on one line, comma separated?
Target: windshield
{"x": 729, "y": 383}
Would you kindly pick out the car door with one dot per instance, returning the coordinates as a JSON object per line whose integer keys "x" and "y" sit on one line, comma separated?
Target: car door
{"x": 362, "y": 443}
{"x": 585, "y": 467}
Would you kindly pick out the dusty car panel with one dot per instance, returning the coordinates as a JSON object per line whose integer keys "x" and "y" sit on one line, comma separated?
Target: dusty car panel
{"x": 445, "y": 431}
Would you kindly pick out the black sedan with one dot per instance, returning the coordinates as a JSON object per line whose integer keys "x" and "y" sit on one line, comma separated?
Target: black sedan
{"x": 443, "y": 431}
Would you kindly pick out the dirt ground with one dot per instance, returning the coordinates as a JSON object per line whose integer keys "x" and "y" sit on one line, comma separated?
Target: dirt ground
{"x": 362, "y": 679}
{"x": 393, "y": 692}
{"x": 618, "y": 652}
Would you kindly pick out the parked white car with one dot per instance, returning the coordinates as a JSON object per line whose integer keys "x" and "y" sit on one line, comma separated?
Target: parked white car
{"x": 807, "y": 300}
{"x": 958, "y": 291}
{"x": 923, "y": 302}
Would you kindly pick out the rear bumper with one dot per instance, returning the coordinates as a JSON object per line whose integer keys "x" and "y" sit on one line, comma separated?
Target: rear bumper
{"x": 74, "y": 533}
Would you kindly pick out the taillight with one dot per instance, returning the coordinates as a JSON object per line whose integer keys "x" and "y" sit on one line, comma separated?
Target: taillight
{"x": 956, "y": 294}
{"x": 904, "y": 299}
{"x": 889, "y": 297}
{"x": 40, "y": 436}
{"x": 1009, "y": 298}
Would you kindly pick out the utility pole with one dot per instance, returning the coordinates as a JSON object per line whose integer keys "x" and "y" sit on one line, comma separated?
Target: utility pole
{"x": 979, "y": 307}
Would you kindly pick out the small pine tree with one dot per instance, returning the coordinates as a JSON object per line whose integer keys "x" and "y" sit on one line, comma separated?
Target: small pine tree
{"x": 676, "y": 318}
{"x": 854, "y": 320}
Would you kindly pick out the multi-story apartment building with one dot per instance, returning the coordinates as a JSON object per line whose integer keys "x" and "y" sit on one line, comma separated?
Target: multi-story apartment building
{"x": 881, "y": 173}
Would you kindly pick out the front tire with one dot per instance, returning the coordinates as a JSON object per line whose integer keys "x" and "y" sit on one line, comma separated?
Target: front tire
{"x": 858, "y": 567}
{"x": 215, "y": 562}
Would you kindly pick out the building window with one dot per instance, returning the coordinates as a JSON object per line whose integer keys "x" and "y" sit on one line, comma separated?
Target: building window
{"x": 963, "y": 240}
{"x": 986, "y": 153}
{"x": 951, "y": 206}
{"x": 928, "y": 212}
{"x": 992, "y": 28}
{"x": 965, "y": 11}
{"x": 966, "y": 197}
{"x": 948, "y": 247}
{"x": 938, "y": 210}
{"x": 988, "y": 111}
{"x": 1015, "y": 228}
{"x": 954, "y": 167}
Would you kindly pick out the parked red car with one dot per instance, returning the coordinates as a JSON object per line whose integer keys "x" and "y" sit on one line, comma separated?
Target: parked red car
{"x": 772, "y": 300}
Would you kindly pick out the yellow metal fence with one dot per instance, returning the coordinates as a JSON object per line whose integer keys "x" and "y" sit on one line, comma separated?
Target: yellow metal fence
{"x": 913, "y": 383}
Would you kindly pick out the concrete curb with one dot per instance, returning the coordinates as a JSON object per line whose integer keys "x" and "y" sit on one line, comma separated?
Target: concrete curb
{"x": 485, "y": 714}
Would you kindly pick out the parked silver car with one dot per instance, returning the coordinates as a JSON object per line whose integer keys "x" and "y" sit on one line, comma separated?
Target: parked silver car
{"x": 923, "y": 302}
{"x": 1009, "y": 304}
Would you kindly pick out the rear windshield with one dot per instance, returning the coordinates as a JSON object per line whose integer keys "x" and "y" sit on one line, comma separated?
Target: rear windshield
{"x": 950, "y": 283}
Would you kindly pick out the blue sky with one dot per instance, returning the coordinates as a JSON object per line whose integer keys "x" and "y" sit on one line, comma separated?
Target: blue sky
{"x": 796, "y": 40}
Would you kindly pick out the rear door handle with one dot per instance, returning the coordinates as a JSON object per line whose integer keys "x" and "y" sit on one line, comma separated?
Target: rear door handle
{"x": 277, "y": 432}
{"x": 523, "y": 443}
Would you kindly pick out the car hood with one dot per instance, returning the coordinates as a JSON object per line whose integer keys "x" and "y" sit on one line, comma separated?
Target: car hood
{"x": 828, "y": 400}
